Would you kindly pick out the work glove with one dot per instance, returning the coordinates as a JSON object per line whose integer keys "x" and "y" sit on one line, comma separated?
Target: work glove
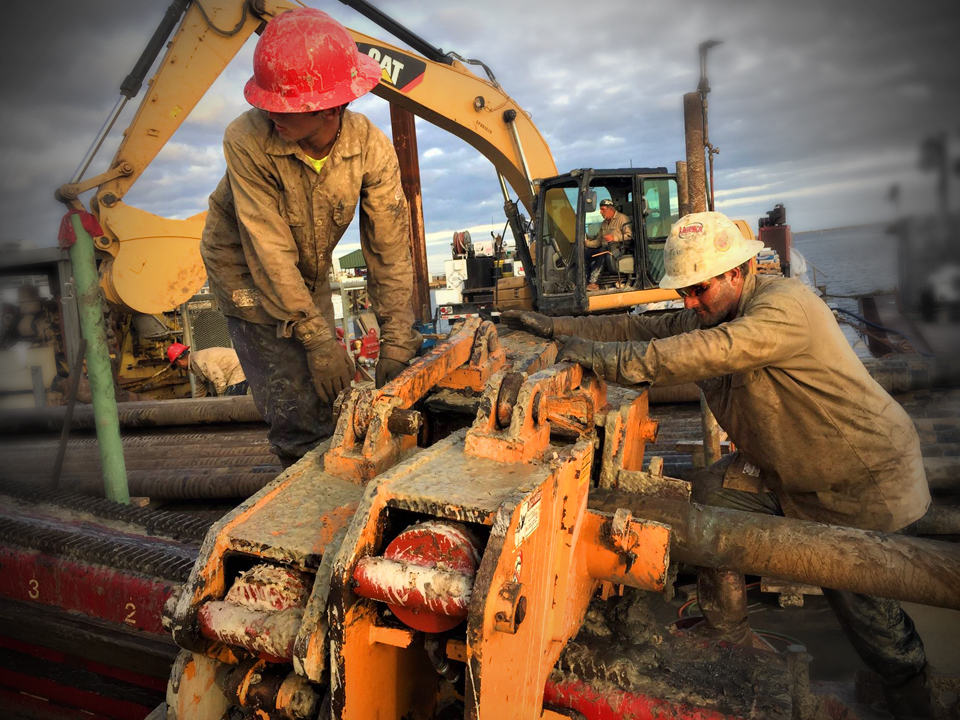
{"x": 330, "y": 367}
{"x": 599, "y": 357}
{"x": 579, "y": 351}
{"x": 531, "y": 322}
{"x": 388, "y": 369}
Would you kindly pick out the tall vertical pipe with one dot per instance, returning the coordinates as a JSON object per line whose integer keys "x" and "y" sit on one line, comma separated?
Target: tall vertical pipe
{"x": 98, "y": 365}
{"x": 693, "y": 135}
{"x": 404, "y": 127}
{"x": 683, "y": 197}
{"x": 697, "y": 199}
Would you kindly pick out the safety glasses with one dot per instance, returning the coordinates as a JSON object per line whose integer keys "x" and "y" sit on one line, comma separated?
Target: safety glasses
{"x": 695, "y": 290}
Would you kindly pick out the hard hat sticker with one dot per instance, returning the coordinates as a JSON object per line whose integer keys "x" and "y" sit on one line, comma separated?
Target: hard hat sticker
{"x": 722, "y": 242}
{"x": 690, "y": 229}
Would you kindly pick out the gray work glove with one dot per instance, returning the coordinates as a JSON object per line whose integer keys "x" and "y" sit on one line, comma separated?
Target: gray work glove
{"x": 331, "y": 368}
{"x": 579, "y": 351}
{"x": 531, "y": 322}
{"x": 599, "y": 357}
{"x": 388, "y": 369}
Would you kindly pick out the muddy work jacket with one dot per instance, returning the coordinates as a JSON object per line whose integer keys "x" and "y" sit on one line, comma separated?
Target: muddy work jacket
{"x": 274, "y": 222}
{"x": 218, "y": 366}
{"x": 787, "y": 387}
{"x": 619, "y": 227}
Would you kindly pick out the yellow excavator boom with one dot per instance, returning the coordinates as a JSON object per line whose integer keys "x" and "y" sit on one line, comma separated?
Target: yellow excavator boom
{"x": 153, "y": 263}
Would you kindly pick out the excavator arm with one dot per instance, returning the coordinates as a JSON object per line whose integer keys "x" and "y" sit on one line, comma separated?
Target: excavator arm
{"x": 153, "y": 263}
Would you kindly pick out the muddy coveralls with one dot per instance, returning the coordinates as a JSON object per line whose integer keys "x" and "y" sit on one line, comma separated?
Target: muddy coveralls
{"x": 621, "y": 229}
{"x": 217, "y": 369}
{"x": 268, "y": 244}
{"x": 817, "y": 438}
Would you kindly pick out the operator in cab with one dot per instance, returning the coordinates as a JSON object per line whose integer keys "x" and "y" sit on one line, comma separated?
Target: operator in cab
{"x": 608, "y": 245}
{"x": 299, "y": 166}
{"x": 817, "y": 438}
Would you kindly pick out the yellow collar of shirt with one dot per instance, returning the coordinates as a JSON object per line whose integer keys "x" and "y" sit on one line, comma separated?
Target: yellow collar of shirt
{"x": 316, "y": 164}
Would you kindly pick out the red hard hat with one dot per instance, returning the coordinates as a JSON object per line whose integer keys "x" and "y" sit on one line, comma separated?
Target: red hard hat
{"x": 306, "y": 61}
{"x": 175, "y": 351}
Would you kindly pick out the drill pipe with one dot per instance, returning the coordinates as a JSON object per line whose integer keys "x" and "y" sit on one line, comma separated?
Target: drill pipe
{"x": 136, "y": 414}
{"x": 32, "y": 449}
{"x": 86, "y": 463}
{"x": 861, "y": 561}
{"x": 220, "y": 436}
{"x": 205, "y": 484}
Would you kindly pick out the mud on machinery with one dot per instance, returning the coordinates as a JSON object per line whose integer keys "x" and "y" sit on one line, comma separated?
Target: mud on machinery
{"x": 460, "y": 548}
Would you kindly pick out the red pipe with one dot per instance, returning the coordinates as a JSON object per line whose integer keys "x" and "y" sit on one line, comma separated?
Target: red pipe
{"x": 443, "y": 592}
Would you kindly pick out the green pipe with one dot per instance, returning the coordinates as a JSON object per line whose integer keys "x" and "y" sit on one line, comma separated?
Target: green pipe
{"x": 98, "y": 365}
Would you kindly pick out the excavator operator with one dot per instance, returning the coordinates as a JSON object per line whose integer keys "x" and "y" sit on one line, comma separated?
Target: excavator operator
{"x": 604, "y": 250}
{"x": 298, "y": 166}
{"x": 817, "y": 438}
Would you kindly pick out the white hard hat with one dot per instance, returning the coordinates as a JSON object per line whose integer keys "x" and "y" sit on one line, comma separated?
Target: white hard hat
{"x": 702, "y": 246}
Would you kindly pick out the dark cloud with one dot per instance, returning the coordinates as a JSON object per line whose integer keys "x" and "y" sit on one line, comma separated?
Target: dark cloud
{"x": 820, "y": 105}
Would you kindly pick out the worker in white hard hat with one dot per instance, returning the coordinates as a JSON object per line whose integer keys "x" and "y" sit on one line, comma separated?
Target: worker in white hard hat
{"x": 299, "y": 167}
{"x": 817, "y": 438}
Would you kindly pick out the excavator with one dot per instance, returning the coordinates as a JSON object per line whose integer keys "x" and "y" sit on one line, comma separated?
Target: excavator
{"x": 151, "y": 264}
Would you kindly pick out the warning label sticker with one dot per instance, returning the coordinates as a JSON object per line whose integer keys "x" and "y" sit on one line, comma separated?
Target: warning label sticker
{"x": 529, "y": 518}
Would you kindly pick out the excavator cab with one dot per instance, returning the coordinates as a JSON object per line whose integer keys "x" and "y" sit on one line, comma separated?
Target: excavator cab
{"x": 588, "y": 265}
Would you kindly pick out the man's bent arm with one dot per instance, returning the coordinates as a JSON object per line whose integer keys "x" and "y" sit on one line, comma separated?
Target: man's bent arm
{"x": 385, "y": 241}
{"x": 625, "y": 327}
{"x": 770, "y": 334}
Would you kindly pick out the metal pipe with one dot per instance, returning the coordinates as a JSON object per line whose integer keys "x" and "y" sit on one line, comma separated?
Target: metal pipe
{"x": 188, "y": 341}
{"x": 270, "y": 634}
{"x": 68, "y": 415}
{"x": 198, "y": 484}
{"x": 696, "y": 197}
{"x": 683, "y": 196}
{"x": 427, "y": 589}
{"x": 943, "y": 473}
{"x": 392, "y": 26}
{"x": 88, "y": 463}
{"x": 39, "y": 391}
{"x": 201, "y": 411}
{"x": 98, "y": 364}
{"x": 711, "y": 433}
{"x": 940, "y": 520}
{"x": 81, "y": 450}
{"x": 98, "y": 141}
{"x": 503, "y": 186}
{"x": 693, "y": 137}
{"x": 509, "y": 117}
{"x": 134, "y": 80}
{"x": 403, "y": 123}
{"x": 861, "y": 561}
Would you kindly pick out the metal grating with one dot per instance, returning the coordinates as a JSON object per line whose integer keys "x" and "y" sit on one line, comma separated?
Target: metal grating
{"x": 207, "y": 323}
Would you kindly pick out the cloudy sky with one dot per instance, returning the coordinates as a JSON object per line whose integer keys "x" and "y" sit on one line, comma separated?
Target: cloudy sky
{"x": 818, "y": 105}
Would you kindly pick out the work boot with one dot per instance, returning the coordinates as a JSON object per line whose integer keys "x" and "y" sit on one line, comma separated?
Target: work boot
{"x": 911, "y": 700}
{"x": 592, "y": 286}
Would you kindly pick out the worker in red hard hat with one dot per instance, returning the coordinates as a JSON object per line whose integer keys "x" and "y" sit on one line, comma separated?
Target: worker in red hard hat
{"x": 216, "y": 370}
{"x": 299, "y": 165}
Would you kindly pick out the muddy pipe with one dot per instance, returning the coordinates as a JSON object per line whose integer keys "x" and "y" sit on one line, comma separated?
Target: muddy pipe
{"x": 861, "y": 561}
{"x": 155, "y": 413}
